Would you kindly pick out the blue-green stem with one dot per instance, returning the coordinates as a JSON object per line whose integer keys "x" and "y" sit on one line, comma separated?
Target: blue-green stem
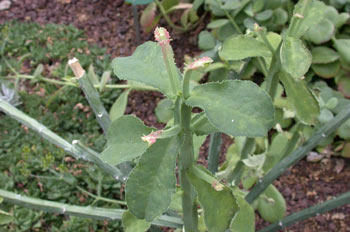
{"x": 85, "y": 212}
{"x": 214, "y": 152}
{"x": 297, "y": 19}
{"x": 186, "y": 160}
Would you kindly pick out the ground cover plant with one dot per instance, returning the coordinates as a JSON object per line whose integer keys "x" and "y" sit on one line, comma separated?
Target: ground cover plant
{"x": 250, "y": 169}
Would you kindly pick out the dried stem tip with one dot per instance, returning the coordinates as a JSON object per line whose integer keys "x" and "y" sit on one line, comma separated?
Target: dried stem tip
{"x": 76, "y": 67}
{"x": 162, "y": 35}
{"x": 152, "y": 137}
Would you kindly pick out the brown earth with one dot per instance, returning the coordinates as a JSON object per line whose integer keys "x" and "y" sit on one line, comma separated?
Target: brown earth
{"x": 109, "y": 23}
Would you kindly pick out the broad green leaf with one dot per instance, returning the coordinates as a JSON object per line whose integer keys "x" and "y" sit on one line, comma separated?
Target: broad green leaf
{"x": 295, "y": 57}
{"x": 237, "y": 108}
{"x": 264, "y": 15}
{"x": 314, "y": 14}
{"x": 323, "y": 55}
{"x": 217, "y": 23}
{"x": 342, "y": 19}
{"x": 301, "y": 98}
{"x": 119, "y": 106}
{"x": 343, "y": 48}
{"x": 165, "y": 110}
{"x": 280, "y": 16}
{"x": 151, "y": 183}
{"x": 326, "y": 70}
{"x": 176, "y": 202}
{"x": 272, "y": 206}
{"x": 245, "y": 218}
{"x": 206, "y": 40}
{"x": 320, "y": 33}
{"x": 219, "y": 206}
{"x": 344, "y": 130}
{"x": 231, "y": 5}
{"x": 124, "y": 140}
{"x": 226, "y": 31}
{"x": 132, "y": 224}
{"x": 146, "y": 65}
{"x": 331, "y": 13}
{"x": 241, "y": 47}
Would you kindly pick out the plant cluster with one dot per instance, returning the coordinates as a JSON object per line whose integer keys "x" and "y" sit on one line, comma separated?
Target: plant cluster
{"x": 164, "y": 185}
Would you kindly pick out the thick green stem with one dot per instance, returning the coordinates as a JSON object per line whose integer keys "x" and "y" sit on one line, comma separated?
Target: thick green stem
{"x": 298, "y": 154}
{"x": 86, "y": 212}
{"x": 47, "y": 134}
{"x": 186, "y": 160}
{"x": 310, "y": 212}
{"x": 214, "y": 152}
{"x": 261, "y": 34}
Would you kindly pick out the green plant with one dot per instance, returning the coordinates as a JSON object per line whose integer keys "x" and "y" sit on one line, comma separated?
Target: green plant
{"x": 235, "y": 107}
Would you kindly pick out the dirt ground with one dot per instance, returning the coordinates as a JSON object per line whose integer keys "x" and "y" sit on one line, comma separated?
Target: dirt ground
{"x": 109, "y": 23}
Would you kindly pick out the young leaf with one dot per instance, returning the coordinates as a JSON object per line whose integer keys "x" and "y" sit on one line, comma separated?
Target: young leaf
{"x": 151, "y": 184}
{"x": 314, "y": 14}
{"x": 320, "y": 33}
{"x": 206, "y": 40}
{"x": 323, "y": 55}
{"x": 148, "y": 16}
{"x": 118, "y": 107}
{"x": 272, "y": 206}
{"x": 241, "y": 47}
{"x": 124, "y": 140}
{"x": 326, "y": 70}
{"x": 343, "y": 48}
{"x": 238, "y": 108}
{"x": 132, "y": 224}
{"x": 219, "y": 206}
{"x": 104, "y": 79}
{"x": 295, "y": 57}
{"x": 165, "y": 110}
{"x": 245, "y": 218}
{"x": 146, "y": 65}
{"x": 217, "y": 23}
{"x": 301, "y": 98}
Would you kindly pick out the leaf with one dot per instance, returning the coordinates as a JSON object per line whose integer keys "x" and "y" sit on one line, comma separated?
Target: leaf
{"x": 148, "y": 16}
{"x": 326, "y": 70}
{"x": 206, "y": 41}
{"x": 146, "y": 65}
{"x": 231, "y": 5}
{"x": 241, "y": 47}
{"x": 343, "y": 48}
{"x": 272, "y": 206}
{"x": 217, "y": 23}
{"x": 124, "y": 140}
{"x": 280, "y": 16}
{"x": 314, "y": 14}
{"x": 206, "y": 128}
{"x": 301, "y": 98}
{"x": 92, "y": 75}
{"x": 165, "y": 110}
{"x": 344, "y": 86}
{"x": 238, "y": 108}
{"x": 295, "y": 57}
{"x": 5, "y": 219}
{"x": 151, "y": 183}
{"x": 219, "y": 206}
{"x": 323, "y": 55}
{"x": 104, "y": 79}
{"x": 118, "y": 107}
{"x": 245, "y": 217}
{"x": 344, "y": 130}
{"x": 132, "y": 224}
{"x": 264, "y": 15}
{"x": 320, "y": 33}
{"x": 274, "y": 154}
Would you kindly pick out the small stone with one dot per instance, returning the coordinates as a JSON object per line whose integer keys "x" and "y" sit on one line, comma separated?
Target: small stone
{"x": 5, "y": 5}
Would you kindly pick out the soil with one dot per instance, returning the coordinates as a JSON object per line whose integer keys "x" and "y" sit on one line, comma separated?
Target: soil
{"x": 109, "y": 23}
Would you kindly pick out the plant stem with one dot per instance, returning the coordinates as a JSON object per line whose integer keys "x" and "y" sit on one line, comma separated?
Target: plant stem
{"x": 186, "y": 160}
{"x": 198, "y": 122}
{"x": 110, "y": 86}
{"x": 309, "y": 212}
{"x": 47, "y": 134}
{"x": 230, "y": 18}
{"x": 86, "y": 212}
{"x": 236, "y": 174}
{"x": 136, "y": 24}
{"x": 214, "y": 152}
{"x": 261, "y": 33}
{"x": 99, "y": 198}
{"x": 166, "y": 17}
{"x": 298, "y": 154}
{"x": 297, "y": 19}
